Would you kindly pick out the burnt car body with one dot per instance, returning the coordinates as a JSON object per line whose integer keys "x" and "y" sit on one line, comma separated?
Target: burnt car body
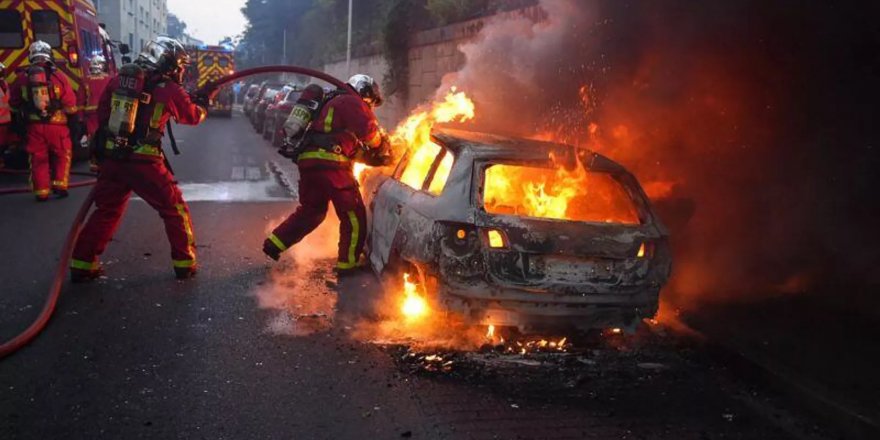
{"x": 546, "y": 273}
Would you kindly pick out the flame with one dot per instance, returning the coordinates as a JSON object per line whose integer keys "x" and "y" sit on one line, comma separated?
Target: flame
{"x": 414, "y": 136}
{"x": 358, "y": 170}
{"x": 557, "y": 194}
{"x": 414, "y": 306}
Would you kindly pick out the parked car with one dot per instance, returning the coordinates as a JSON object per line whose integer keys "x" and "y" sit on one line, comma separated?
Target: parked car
{"x": 452, "y": 212}
{"x": 278, "y": 112}
{"x": 250, "y": 97}
{"x": 260, "y": 109}
{"x": 263, "y": 87}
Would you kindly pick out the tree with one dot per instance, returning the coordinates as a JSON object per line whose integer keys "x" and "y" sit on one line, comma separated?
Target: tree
{"x": 176, "y": 26}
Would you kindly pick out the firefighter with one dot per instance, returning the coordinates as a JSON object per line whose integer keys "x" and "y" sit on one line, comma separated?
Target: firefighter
{"x": 47, "y": 103}
{"x": 340, "y": 131}
{"x": 98, "y": 79}
{"x": 5, "y": 114}
{"x": 133, "y": 112}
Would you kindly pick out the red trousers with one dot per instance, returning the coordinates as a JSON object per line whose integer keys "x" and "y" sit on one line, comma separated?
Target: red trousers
{"x": 153, "y": 183}
{"x": 318, "y": 187}
{"x": 50, "y": 149}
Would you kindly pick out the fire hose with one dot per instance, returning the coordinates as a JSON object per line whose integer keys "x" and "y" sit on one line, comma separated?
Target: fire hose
{"x": 27, "y": 189}
{"x": 209, "y": 89}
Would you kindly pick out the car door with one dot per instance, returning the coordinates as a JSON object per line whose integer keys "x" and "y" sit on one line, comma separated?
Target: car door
{"x": 393, "y": 197}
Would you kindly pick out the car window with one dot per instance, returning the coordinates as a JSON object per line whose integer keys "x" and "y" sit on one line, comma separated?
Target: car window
{"x": 11, "y": 35}
{"x": 46, "y": 27}
{"x": 539, "y": 192}
{"x": 419, "y": 164}
{"x": 438, "y": 180}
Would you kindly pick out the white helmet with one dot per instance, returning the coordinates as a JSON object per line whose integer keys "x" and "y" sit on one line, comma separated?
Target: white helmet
{"x": 40, "y": 52}
{"x": 368, "y": 88}
{"x": 97, "y": 65}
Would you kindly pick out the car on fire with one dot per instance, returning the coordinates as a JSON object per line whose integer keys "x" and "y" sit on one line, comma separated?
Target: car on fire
{"x": 479, "y": 217}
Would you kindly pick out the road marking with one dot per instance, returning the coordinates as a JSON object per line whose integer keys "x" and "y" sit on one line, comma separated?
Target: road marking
{"x": 237, "y": 173}
{"x": 254, "y": 173}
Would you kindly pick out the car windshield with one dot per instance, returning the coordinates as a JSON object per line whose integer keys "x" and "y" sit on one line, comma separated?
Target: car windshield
{"x": 551, "y": 193}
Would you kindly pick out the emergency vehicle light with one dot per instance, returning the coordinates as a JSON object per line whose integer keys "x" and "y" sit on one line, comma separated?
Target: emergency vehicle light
{"x": 73, "y": 56}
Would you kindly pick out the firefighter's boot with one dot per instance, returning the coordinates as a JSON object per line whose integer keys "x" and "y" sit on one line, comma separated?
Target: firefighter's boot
{"x": 185, "y": 273}
{"x": 79, "y": 276}
{"x": 271, "y": 250}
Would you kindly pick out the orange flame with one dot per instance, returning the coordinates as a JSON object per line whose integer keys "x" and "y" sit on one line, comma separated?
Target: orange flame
{"x": 414, "y": 305}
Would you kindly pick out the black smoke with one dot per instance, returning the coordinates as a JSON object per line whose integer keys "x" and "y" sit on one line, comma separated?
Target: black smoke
{"x": 760, "y": 114}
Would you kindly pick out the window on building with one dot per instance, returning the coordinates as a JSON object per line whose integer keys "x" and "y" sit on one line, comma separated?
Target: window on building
{"x": 11, "y": 35}
{"x": 46, "y": 27}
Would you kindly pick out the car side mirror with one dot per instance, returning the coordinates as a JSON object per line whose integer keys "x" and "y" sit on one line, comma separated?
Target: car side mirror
{"x": 124, "y": 49}
{"x": 126, "y": 60}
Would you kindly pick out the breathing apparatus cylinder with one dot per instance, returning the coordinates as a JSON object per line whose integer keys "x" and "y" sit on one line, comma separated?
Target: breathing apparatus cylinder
{"x": 38, "y": 84}
{"x": 125, "y": 102}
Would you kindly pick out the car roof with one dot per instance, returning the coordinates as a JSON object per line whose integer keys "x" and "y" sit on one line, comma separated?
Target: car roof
{"x": 493, "y": 147}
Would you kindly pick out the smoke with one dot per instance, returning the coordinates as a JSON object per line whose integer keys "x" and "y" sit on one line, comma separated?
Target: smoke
{"x": 747, "y": 122}
{"x": 297, "y": 288}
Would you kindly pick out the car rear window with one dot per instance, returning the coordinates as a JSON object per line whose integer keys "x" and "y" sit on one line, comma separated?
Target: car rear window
{"x": 11, "y": 34}
{"x": 537, "y": 192}
{"x": 46, "y": 27}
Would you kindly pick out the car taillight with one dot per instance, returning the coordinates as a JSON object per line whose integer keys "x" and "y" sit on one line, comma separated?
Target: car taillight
{"x": 496, "y": 239}
{"x": 646, "y": 250}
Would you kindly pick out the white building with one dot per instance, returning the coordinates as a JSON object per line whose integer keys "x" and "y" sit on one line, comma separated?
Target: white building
{"x": 133, "y": 22}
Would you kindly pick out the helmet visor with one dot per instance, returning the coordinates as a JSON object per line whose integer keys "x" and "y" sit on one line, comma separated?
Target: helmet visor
{"x": 153, "y": 53}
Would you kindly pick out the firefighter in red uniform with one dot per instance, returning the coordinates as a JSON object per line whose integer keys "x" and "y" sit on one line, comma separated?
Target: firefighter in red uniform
{"x": 48, "y": 104}
{"x": 134, "y": 110}
{"x": 5, "y": 114}
{"x": 340, "y": 131}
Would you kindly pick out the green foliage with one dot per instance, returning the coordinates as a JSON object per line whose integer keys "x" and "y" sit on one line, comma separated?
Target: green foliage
{"x": 451, "y": 11}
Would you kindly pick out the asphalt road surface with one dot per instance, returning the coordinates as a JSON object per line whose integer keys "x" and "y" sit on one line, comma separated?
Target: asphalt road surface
{"x": 258, "y": 350}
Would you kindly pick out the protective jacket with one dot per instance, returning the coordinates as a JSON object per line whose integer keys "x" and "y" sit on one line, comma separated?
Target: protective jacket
{"x": 164, "y": 100}
{"x": 343, "y": 131}
{"x": 62, "y": 99}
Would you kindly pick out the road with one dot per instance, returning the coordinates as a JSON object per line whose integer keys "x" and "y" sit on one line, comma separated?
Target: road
{"x": 259, "y": 350}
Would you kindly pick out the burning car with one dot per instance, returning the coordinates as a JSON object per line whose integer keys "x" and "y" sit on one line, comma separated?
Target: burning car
{"x": 523, "y": 233}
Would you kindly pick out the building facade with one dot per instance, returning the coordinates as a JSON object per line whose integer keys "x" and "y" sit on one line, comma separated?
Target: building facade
{"x": 133, "y": 22}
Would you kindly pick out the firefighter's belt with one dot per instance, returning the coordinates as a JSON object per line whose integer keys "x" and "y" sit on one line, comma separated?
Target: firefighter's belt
{"x": 57, "y": 118}
{"x": 322, "y": 154}
{"x": 143, "y": 150}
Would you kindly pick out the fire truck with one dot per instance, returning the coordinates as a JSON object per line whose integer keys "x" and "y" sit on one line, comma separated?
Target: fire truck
{"x": 71, "y": 27}
{"x": 211, "y": 63}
